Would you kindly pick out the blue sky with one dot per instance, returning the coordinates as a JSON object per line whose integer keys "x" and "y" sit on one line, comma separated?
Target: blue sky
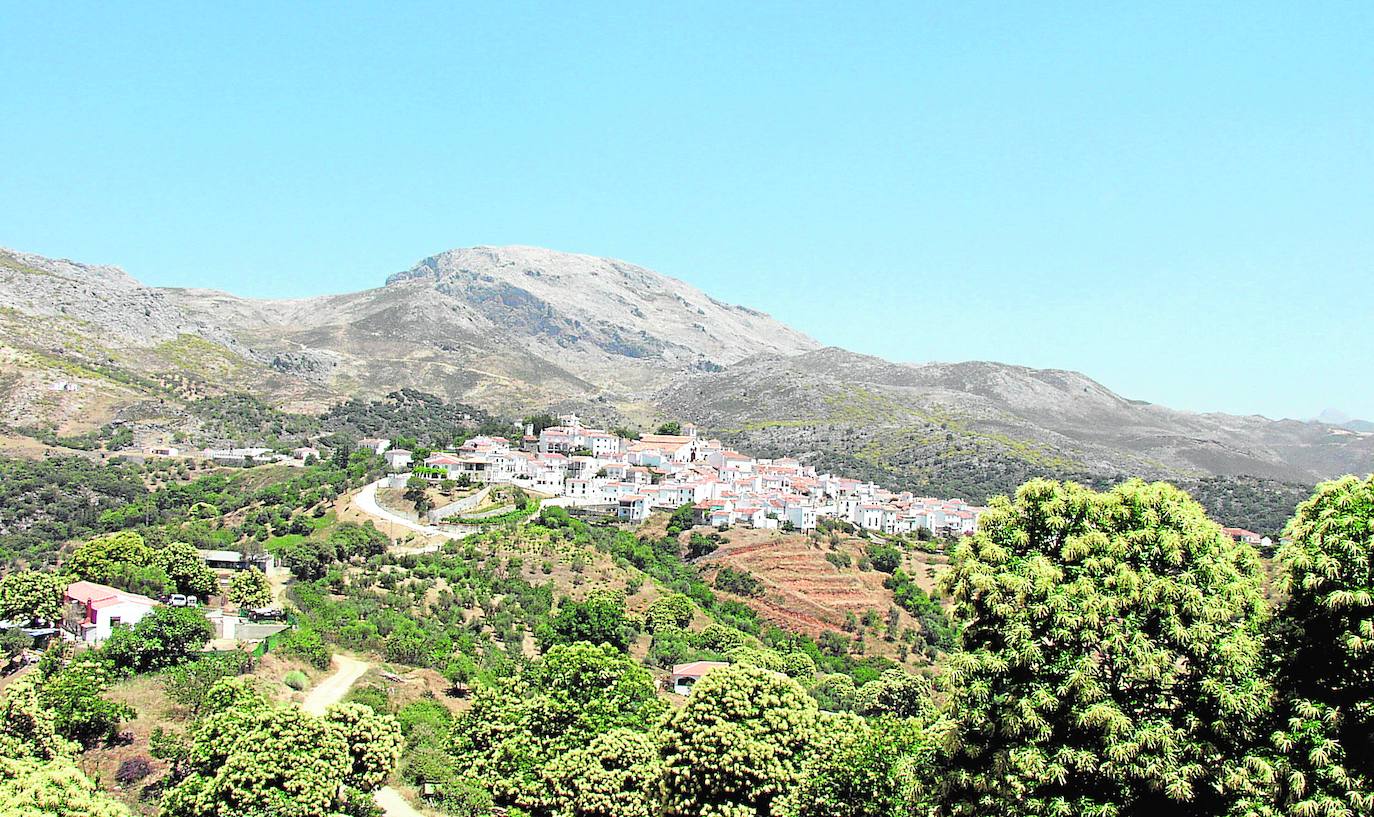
{"x": 1176, "y": 200}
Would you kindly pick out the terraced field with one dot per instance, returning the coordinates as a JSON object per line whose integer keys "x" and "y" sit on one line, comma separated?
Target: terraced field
{"x": 802, "y": 589}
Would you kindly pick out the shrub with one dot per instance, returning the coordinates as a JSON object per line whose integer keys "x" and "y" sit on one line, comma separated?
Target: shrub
{"x": 371, "y": 696}
{"x": 133, "y": 770}
{"x": 306, "y": 644}
{"x": 296, "y": 680}
{"x": 740, "y": 582}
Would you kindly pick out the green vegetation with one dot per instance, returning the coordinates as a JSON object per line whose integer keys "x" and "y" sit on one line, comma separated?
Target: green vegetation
{"x": 1104, "y": 653}
{"x": 247, "y": 756}
{"x": 47, "y": 502}
{"x": 250, "y": 589}
{"x": 38, "y": 772}
{"x": 1045, "y": 724}
{"x": 739, "y": 582}
{"x": 164, "y": 638}
{"x": 528, "y": 508}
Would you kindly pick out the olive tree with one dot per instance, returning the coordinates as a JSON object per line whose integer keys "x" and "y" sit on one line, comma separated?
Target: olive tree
{"x": 1111, "y": 659}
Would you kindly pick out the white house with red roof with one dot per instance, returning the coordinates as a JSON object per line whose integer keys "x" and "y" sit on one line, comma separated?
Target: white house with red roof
{"x": 94, "y": 609}
{"x": 685, "y": 676}
{"x": 1249, "y": 537}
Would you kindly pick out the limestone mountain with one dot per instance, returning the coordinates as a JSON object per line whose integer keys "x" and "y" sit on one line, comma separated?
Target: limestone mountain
{"x": 504, "y": 327}
{"x": 507, "y": 327}
{"x": 518, "y": 329}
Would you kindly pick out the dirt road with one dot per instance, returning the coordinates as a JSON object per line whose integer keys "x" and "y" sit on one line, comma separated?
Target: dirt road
{"x": 332, "y": 690}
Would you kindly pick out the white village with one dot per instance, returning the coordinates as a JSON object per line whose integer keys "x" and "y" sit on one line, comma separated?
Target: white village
{"x": 632, "y": 478}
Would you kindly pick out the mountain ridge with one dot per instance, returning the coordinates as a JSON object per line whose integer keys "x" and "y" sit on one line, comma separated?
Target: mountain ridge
{"x": 522, "y": 328}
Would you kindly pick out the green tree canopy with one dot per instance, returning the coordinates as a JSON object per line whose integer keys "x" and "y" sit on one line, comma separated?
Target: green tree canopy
{"x": 599, "y": 619}
{"x": 52, "y": 788}
{"x": 28, "y": 727}
{"x": 616, "y": 775}
{"x": 165, "y": 637}
{"x": 73, "y": 696}
{"x": 882, "y": 767}
{"x": 100, "y": 559}
{"x": 1110, "y": 662}
{"x": 186, "y": 570}
{"x": 560, "y": 703}
{"x": 674, "y": 609}
{"x": 1328, "y": 573}
{"x": 250, "y": 589}
{"x": 1320, "y": 758}
{"x": 736, "y": 745}
{"x": 374, "y": 743}
{"x": 251, "y": 757}
{"x": 30, "y": 595}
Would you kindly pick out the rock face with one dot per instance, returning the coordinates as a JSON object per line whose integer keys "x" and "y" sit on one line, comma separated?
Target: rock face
{"x": 99, "y": 296}
{"x": 508, "y": 327}
{"x": 571, "y": 302}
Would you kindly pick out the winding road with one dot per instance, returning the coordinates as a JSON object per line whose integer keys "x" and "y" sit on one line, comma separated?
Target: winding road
{"x": 332, "y": 690}
{"x": 366, "y": 501}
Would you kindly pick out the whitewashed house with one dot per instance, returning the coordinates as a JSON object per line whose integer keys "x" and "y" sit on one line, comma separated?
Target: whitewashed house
{"x": 375, "y": 445}
{"x": 94, "y": 609}
{"x": 632, "y": 508}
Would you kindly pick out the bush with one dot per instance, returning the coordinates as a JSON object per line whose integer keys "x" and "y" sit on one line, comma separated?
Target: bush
{"x": 371, "y": 696}
{"x": 463, "y": 799}
{"x": 739, "y": 582}
{"x": 884, "y": 557}
{"x": 306, "y": 644}
{"x": 133, "y": 770}
{"x": 296, "y": 680}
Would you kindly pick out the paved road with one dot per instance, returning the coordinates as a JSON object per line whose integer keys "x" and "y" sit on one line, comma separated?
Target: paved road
{"x": 330, "y": 691}
{"x": 366, "y": 501}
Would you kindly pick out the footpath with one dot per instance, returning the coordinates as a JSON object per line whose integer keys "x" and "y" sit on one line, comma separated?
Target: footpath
{"x": 332, "y": 690}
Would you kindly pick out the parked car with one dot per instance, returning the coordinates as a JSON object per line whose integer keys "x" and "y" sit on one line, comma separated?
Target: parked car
{"x": 267, "y": 614}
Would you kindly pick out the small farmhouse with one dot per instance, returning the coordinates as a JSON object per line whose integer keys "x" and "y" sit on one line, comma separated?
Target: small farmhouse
{"x": 685, "y": 676}
{"x": 93, "y": 610}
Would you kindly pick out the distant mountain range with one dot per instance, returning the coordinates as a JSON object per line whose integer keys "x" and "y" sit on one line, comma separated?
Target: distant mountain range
{"x": 1336, "y": 417}
{"x": 519, "y": 329}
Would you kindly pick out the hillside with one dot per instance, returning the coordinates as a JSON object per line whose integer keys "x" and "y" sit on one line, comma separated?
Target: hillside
{"x": 519, "y": 329}
{"x": 974, "y": 429}
{"x": 507, "y": 327}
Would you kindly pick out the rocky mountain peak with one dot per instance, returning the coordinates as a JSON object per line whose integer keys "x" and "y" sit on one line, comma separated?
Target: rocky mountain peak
{"x": 622, "y": 309}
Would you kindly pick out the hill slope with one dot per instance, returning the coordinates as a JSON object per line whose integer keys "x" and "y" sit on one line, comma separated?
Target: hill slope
{"x": 977, "y": 428}
{"x": 521, "y": 328}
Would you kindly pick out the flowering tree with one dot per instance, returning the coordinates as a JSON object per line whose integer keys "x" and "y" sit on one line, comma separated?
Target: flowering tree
{"x": 1111, "y": 658}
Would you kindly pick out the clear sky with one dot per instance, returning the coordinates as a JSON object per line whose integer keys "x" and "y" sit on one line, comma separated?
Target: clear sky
{"x": 1175, "y": 198}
